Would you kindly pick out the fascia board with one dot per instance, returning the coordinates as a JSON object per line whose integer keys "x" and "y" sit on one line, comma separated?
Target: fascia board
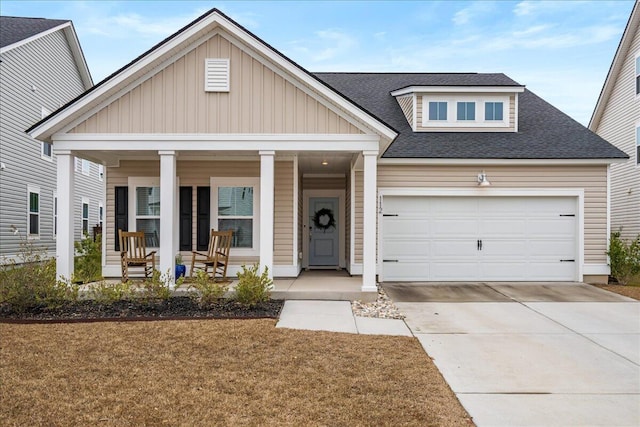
{"x": 458, "y": 89}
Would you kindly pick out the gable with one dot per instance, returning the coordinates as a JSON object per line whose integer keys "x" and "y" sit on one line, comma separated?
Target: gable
{"x": 261, "y": 99}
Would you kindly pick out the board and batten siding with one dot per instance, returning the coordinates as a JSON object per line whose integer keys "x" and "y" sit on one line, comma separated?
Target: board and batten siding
{"x": 618, "y": 126}
{"x": 173, "y": 100}
{"x": 511, "y": 108}
{"x": 593, "y": 179}
{"x": 198, "y": 174}
{"x": 37, "y": 74}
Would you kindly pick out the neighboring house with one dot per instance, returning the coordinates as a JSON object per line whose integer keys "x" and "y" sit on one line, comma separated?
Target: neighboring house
{"x": 445, "y": 177}
{"x": 617, "y": 119}
{"x": 42, "y": 67}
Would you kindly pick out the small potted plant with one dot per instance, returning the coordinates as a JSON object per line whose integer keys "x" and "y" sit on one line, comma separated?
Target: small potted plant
{"x": 181, "y": 269}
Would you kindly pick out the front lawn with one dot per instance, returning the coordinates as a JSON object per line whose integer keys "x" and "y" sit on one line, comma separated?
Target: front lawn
{"x": 216, "y": 372}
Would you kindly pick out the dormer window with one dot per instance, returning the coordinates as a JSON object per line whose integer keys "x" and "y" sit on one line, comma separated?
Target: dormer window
{"x": 438, "y": 111}
{"x": 466, "y": 111}
{"x": 493, "y": 111}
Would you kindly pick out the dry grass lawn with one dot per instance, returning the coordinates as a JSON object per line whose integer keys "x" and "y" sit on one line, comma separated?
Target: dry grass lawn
{"x": 631, "y": 291}
{"x": 216, "y": 372}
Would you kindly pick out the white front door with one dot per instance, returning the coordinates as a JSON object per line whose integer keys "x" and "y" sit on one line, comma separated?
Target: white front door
{"x": 323, "y": 232}
{"x": 479, "y": 238}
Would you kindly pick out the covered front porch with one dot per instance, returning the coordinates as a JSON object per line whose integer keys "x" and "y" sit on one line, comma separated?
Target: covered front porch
{"x": 283, "y": 174}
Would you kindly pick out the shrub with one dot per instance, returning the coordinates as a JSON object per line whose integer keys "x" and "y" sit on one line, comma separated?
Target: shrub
{"x": 108, "y": 293}
{"x": 209, "y": 291}
{"x": 624, "y": 258}
{"x": 157, "y": 287}
{"x": 252, "y": 287}
{"x": 88, "y": 265}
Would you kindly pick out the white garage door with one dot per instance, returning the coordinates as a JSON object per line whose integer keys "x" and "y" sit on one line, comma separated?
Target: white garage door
{"x": 479, "y": 238}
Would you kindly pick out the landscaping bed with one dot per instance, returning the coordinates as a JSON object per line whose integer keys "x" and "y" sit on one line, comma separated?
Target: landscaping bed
{"x": 177, "y": 307}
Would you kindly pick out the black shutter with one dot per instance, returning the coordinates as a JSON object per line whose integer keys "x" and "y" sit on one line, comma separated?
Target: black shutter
{"x": 122, "y": 212}
{"x": 185, "y": 218}
{"x": 204, "y": 207}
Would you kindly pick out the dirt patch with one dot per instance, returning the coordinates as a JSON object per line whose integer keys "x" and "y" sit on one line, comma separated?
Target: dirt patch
{"x": 631, "y": 291}
{"x": 216, "y": 372}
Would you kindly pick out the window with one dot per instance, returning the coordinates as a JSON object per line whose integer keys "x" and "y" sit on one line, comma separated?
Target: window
{"x": 638, "y": 74}
{"x": 47, "y": 150}
{"x": 101, "y": 172}
{"x": 86, "y": 167}
{"x": 493, "y": 111}
{"x": 85, "y": 216}
{"x": 33, "y": 215}
{"x": 235, "y": 206}
{"x": 100, "y": 214}
{"x": 55, "y": 214}
{"x": 147, "y": 214}
{"x": 638, "y": 145}
{"x": 437, "y": 110}
{"x": 466, "y": 111}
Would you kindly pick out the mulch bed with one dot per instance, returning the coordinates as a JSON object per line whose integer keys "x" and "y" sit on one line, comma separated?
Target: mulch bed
{"x": 132, "y": 310}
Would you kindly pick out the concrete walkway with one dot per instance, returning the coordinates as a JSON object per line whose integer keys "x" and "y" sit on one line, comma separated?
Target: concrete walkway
{"x": 531, "y": 355}
{"x": 336, "y": 316}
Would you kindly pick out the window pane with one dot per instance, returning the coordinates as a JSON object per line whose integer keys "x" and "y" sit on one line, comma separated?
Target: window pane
{"x": 33, "y": 224}
{"x": 151, "y": 228}
{"x": 461, "y": 111}
{"x": 148, "y": 201}
{"x": 34, "y": 202}
{"x": 471, "y": 110}
{"x": 46, "y": 149}
{"x": 498, "y": 110}
{"x": 433, "y": 111}
{"x": 85, "y": 210}
{"x": 85, "y": 226}
{"x": 466, "y": 110}
{"x": 442, "y": 111}
{"x": 242, "y": 231}
{"x": 235, "y": 201}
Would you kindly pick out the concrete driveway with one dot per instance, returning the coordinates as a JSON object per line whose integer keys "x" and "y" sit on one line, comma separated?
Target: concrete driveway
{"x": 543, "y": 354}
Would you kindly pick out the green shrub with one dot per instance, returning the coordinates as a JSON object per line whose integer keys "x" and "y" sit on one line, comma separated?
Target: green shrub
{"x": 624, "y": 258}
{"x": 158, "y": 287}
{"x": 253, "y": 287}
{"x": 108, "y": 293}
{"x": 88, "y": 263}
{"x": 208, "y": 290}
{"x": 31, "y": 282}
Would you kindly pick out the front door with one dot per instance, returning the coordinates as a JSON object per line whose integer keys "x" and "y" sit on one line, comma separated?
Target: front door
{"x": 323, "y": 231}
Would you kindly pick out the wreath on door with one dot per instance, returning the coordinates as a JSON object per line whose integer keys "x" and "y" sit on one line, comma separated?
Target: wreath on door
{"x": 324, "y": 219}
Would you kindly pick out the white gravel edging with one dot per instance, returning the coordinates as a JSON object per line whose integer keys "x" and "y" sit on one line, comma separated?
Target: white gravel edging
{"x": 382, "y": 308}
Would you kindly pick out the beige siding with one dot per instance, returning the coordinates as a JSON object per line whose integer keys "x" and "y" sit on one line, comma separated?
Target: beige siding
{"x": 406, "y": 104}
{"x": 173, "y": 100}
{"x": 324, "y": 183}
{"x": 618, "y": 126}
{"x": 198, "y": 174}
{"x": 510, "y": 128}
{"x": 590, "y": 178}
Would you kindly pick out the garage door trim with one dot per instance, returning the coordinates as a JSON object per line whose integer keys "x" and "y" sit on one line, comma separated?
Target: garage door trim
{"x": 577, "y": 193}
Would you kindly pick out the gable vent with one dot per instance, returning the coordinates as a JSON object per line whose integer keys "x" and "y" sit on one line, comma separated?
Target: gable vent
{"x": 216, "y": 75}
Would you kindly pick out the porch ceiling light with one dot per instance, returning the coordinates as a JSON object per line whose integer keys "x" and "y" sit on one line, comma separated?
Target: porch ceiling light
{"x": 324, "y": 163}
{"x": 483, "y": 181}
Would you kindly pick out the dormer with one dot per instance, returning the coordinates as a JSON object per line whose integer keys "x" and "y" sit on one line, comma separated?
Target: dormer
{"x": 460, "y": 108}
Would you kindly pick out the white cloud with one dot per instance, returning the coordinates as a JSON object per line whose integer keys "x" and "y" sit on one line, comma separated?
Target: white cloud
{"x": 328, "y": 45}
{"x": 473, "y": 11}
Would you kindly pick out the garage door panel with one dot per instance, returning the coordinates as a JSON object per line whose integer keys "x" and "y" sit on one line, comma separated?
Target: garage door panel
{"x": 523, "y": 238}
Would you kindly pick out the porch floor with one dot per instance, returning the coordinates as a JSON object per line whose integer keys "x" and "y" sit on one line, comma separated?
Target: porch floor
{"x": 322, "y": 285}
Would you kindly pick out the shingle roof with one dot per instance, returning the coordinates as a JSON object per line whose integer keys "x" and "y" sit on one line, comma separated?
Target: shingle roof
{"x": 14, "y": 29}
{"x": 544, "y": 132}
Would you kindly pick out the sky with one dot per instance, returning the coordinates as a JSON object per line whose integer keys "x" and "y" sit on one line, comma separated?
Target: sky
{"x": 561, "y": 50}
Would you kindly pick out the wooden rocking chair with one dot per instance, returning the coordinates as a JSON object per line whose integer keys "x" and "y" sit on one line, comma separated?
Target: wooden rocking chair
{"x": 217, "y": 256}
{"x": 133, "y": 253}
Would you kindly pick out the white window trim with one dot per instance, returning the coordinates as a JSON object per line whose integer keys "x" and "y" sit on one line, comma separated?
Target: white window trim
{"x": 254, "y": 182}
{"x": 54, "y": 228}
{"x": 100, "y": 172}
{"x": 134, "y": 182}
{"x": 43, "y": 156}
{"x": 86, "y": 167}
{"x": 85, "y": 201}
{"x": 33, "y": 189}
{"x": 452, "y": 111}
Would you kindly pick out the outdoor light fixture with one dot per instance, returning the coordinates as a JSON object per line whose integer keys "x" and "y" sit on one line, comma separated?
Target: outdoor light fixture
{"x": 325, "y": 163}
{"x": 483, "y": 181}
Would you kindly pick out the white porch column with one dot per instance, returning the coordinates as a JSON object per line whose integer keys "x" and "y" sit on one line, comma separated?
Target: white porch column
{"x": 64, "y": 238}
{"x": 168, "y": 200}
{"x": 266, "y": 209}
{"x": 369, "y": 222}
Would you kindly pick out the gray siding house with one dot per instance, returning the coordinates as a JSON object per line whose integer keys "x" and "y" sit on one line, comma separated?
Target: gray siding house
{"x": 42, "y": 67}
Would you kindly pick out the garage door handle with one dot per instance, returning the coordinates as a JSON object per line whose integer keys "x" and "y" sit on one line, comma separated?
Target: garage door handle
{"x": 567, "y": 214}
{"x": 389, "y": 260}
{"x": 389, "y": 214}
{"x": 479, "y": 245}
{"x": 567, "y": 260}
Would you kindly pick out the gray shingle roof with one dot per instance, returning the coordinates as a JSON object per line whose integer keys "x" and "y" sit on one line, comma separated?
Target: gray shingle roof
{"x": 544, "y": 132}
{"x": 14, "y": 29}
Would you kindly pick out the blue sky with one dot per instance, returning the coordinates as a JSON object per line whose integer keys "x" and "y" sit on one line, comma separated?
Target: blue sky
{"x": 560, "y": 50}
